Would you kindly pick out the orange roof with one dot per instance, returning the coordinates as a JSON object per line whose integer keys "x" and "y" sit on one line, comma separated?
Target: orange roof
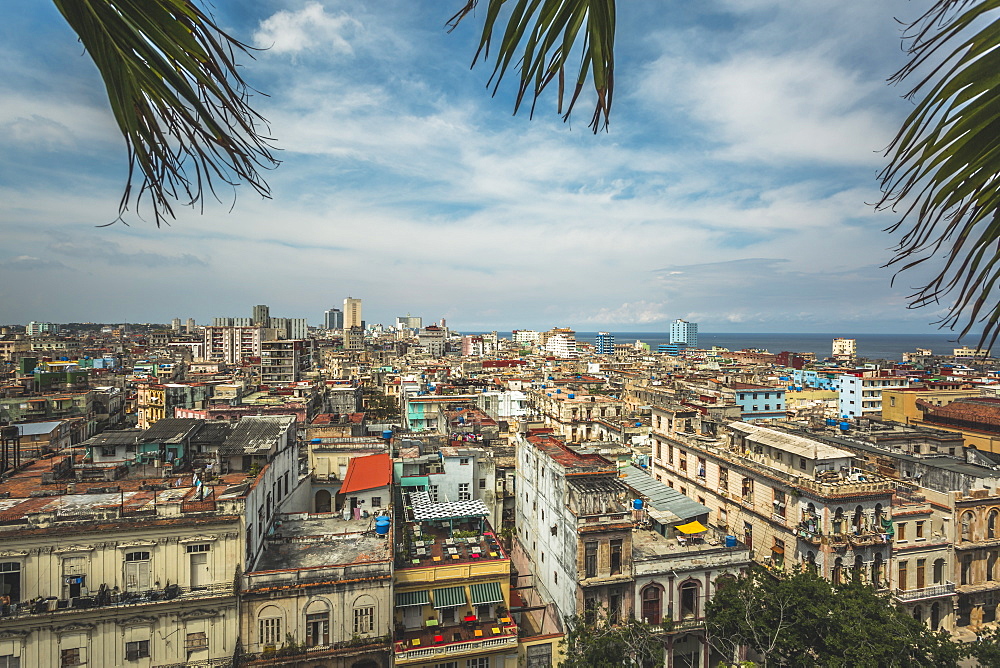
{"x": 368, "y": 472}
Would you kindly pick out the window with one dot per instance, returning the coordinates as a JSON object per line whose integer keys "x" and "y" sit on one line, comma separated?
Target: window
{"x": 10, "y": 581}
{"x": 590, "y": 559}
{"x": 682, "y": 462}
{"x": 748, "y": 490}
{"x": 651, "y": 597}
{"x": 482, "y": 482}
{"x": 902, "y": 576}
{"x": 200, "y": 547}
{"x": 376, "y": 502}
{"x": 702, "y": 467}
{"x": 447, "y": 664}
{"x": 10, "y": 661}
{"x": 689, "y": 600}
{"x": 616, "y": 556}
{"x": 317, "y": 629}
{"x": 269, "y": 630}
{"x": 901, "y": 531}
{"x": 723, "y": 479}
{"x": 479, "y": 662}
{"x": 364, "y": 619}
{"x": 136, "y": 650}
{"x": 136, "y": 571}
{"x": 108, "y": 451}
{"x": 920, "y": 529}
{"x": 197, "y": 640}
{"x": 463, "y": 461}
{"x": 74, "y": 576}
{"x": 464, "y": 494}
{"x": 72, "y": 657}
{"x": 780, "y": 503}
{"x": 432, "y": 492}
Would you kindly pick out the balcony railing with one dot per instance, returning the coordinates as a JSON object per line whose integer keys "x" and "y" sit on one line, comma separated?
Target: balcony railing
{"x": 934, "y": 591}
{"x": 111, "y": 599}
{"x": 508, "y": 639}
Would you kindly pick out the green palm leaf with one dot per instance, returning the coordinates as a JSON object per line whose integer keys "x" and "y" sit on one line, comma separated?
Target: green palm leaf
{"x": 176, "y": 94}
{"x": 944, "y": 170}
{"x": 541, "y": 35}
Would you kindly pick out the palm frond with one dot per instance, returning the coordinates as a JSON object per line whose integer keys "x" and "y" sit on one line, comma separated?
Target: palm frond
{"x": 178, "y": 98}
{"x": 542, "y": 34}
{"x": 944, "y": 170}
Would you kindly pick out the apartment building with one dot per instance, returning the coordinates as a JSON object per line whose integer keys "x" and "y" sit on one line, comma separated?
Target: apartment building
{"x": 233, "y": 345}
{"x": 860, "y": 392}
{"x": 572, "y": 415}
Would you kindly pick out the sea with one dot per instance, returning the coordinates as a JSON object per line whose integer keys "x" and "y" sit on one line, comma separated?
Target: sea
{"x": 870, "y": 346}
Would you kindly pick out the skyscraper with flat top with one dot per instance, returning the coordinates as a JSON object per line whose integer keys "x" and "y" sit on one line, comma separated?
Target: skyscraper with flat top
{"x": 333, "y": 319}
{"x": 352, "y": 313}
{"x": 605, "y": 343}
{"x": 682, "y": 331}
{"x": 261, "y": 316}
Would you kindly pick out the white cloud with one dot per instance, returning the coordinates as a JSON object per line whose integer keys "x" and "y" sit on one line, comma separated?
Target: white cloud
{"x": 306, "y": 29}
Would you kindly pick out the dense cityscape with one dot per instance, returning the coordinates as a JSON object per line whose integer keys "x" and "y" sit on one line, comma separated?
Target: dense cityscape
{"x": 259, "y": 491}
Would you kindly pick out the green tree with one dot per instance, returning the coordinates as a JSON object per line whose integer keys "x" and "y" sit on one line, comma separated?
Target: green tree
{"x": 799, "y": 619}
{"x": 592, "y": 642}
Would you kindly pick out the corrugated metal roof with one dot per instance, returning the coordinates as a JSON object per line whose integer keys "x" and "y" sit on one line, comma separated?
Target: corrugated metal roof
{"x": 252, "y": 435}
{"x": 661, "y": 497}
{"x": 36, "y": 428}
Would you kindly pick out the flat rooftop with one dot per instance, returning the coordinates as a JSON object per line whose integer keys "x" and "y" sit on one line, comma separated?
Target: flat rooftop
{"x": 323, "y": 539}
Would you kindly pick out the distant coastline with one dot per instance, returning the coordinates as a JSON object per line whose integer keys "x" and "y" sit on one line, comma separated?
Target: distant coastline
{"x": 871, "y": 346}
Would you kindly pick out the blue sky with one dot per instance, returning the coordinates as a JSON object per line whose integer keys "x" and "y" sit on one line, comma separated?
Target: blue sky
{"x": 731, "y": 190}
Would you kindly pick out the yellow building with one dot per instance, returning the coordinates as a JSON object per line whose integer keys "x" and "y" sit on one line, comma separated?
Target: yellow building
{"x": 452, "y": 589}
{"x": 900, "y": 405}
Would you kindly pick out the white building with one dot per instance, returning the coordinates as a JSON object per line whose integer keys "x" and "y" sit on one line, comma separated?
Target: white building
{"x": 861, "y": 394}
{"x": 682, "y": 331}
{"x": 352, "y": 313}
{"x": 844, "y": 349}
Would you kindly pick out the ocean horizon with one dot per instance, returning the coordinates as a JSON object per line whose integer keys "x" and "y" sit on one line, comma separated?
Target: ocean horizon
{"x": 870, "y": 346}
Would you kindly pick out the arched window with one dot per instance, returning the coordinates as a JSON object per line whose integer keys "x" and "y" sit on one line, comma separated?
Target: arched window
{"x": 935, "y": 616}
{"x": 939, "y": 571}
{"x": 858, "y": 571}
{"x": 966, "y": 569}
{"x": 991, "y": 524}
{"x": 838, "y": 521}
{"x": 690, "y": 600}
{"x": 364, "y": 615}
{"x": 877, "y": 569}
{"x": 323, "y": 501}
{"x": 838, "y": 571}
{"x": 810, "y": 561}
{"x": 991, "y": 565}
{"x": 270, "y": 627}
{"x": 317, "y": 623}
{"x": 652, "y": 597}
{"x": 967, "y": 525}
{"x": 858, "y": 522}
{"x": 918, "y": 613}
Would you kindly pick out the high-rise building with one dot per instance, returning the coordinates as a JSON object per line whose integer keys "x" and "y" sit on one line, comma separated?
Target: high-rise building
{"x": 605, "y": 343}
{"x": 333, "y": 319}
{"x": 409, "y": 322}
{"x": 261, "y": 315}
{"x": 232, "y": 345}
{"x": 189, "y": 326}
{"x": 175, "y": 324}
{"x": 844, "y": 349}
{"x": 39, "y": 328}
{"x": 682, "y": 331}
{"x": 352, "y": 313}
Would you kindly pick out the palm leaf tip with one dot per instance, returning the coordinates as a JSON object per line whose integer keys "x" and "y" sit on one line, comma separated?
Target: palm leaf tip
{"x": 178, "y": 98}
{"x": 538, "y": 39}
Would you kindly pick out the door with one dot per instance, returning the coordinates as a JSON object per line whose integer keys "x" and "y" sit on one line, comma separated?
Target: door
{"x": 412, "y": 619}
{"x": 200, "y": 576}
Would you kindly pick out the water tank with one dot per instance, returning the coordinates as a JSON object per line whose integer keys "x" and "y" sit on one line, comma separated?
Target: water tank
{"x": 830, "y": 422}
{"x": 844, "y": 426}
{"x": 730, "y": 541}
{"x": 387, "y": 434}
{"x": 637, "y": 504}
{"x": 316, "y": 440}
{"x": 382, "y": 525}
{"x": 558, "y": 391}
{"x": 572, "y": 396}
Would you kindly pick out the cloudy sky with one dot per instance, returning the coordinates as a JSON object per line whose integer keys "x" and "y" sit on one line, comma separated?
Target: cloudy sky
{"x": 733, "y": 188}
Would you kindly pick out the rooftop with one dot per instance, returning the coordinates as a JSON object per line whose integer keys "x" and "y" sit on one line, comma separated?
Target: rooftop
{"x": 305, "y": 541}
{"x": 797, "y": 445}
{"x": 661, "y": 497}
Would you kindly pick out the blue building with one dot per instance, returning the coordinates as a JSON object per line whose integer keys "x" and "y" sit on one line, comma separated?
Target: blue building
{"x": 605, "y": 343}
{"x": 671, "y": 348}
{"x": 760, "y": 402}
{"x": 682, "y": 331}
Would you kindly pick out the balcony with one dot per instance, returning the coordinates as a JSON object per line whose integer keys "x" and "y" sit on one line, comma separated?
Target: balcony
{"x": 107, "y": 598}
{"x": 479, "y": 636}
{"x": 935, "y": 591}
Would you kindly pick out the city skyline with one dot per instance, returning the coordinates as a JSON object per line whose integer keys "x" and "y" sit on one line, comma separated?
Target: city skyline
{"x": 730, "y": 191}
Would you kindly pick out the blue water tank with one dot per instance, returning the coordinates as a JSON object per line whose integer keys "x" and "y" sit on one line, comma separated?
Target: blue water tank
{"x": 548, "y": 394}
{"x": 558, "y": 391}
{"x": 830, "y": 422}
{"x": 572, "y": 396}
{"x": 844, "y": 426}
{"x": 730, "y": 541}
{"x": 316, "y": 440}
{"x": 387, "y": 434}
{"x": 637, "y": 504}
{"x": 382, "y": 525}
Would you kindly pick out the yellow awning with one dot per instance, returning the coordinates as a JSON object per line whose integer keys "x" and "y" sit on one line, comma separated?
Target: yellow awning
{"x": 691, "y": 527}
